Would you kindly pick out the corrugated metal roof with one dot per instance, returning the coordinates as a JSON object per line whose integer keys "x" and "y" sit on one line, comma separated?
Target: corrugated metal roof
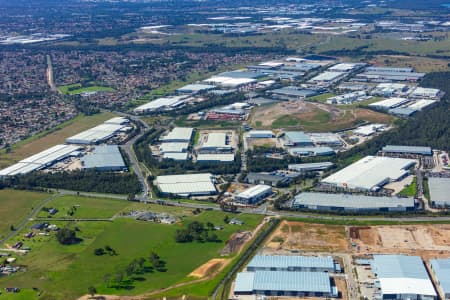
{"x": 351, "y": 201}
{"x": 179, "y": 134}
{"x": 311, "y": 151}
{"x": 186, "y": 184}
{"x": 292, "y": 281}
{"x": 408, "y": 149}
{"x": 294, "y": 91}
{"x": 370, "y": 172}
{"x": 107, "y": 156}
{"x": 441, "y": 268}
{"x": 244, "y": 282}
{"x": 216, "y": 140}
{"x": 439, "y": 190}
{"x": 255, "y": 191}
{"x": 293, "y": 261}
{"x": 221, "y": 157}
{"x": 399, "y": 266}
{"x": 297, "y": 137}
{"x": 310, "y": 166}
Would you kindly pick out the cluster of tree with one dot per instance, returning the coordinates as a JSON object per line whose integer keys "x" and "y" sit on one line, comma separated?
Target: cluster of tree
{"x": 135, "y": 267}
{"x": 196, "y": 231}
{"x": 84, "y": 106}
{"x": 67, "y": 236}
{"x": 86, "y": 181}
{"x": 106, "y": 250}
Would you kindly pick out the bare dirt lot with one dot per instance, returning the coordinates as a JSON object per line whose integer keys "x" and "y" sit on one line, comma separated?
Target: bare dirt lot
{"x": 424, "y": 240}
{"x": 209, "y": 267}
{"x": 309, "y": 237}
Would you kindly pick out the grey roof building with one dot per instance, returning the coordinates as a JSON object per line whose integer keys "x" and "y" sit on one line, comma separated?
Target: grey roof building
{"x": 296, "y": 138}
{"x": 273, "y": 179}
{"x": 293, "y": 92}
{"x": 439, "y": 191}
{"x": 349, "y": 202}
{"x": 407, "y": 150}
{"x": 309, "y": 167}
{"x": 441, "y": 269}
{"x": 283, "y": 283}
{"x": 291, "y": 263}
{"x": 402, "y": 277}
{"x": 104, "y": 158}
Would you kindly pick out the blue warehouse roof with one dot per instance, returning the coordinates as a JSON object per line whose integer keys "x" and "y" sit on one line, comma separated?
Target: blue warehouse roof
{"x": 285, "y": 261}
{"x": 297, "y": 137}
{"x": 399, "y": 266}
{"x": 317, "y": 282}
{"x": 441, "y": 268}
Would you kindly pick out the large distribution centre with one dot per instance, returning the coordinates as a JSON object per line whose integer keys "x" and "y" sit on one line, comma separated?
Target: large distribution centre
{"x": 187, "y": 185}
{"x": 97, "y": 134}
{"x": 348, "y": 202}
{"x": 439, "y": 191}
{"x": 292, "y": 263}
{"x": 441, "y": 270}
{"x": 370, "y": 173}
{"x": 402, "y": 277}
{"x": 40, "y": 160}
{"x": 104, "y": 158}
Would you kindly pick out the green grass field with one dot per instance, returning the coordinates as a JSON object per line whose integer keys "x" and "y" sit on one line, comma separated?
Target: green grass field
{"x": 76, "y": 89}
{"x": 85, "y": 207}
{"x": 49, "y": 138}
{"x": 15, "y": 206}
{"x": 409, "y": 190}
{"x": 65, "y": 272}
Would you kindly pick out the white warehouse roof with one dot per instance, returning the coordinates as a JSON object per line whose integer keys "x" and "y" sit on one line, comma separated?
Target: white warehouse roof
{"x": 370, "y": 172}
{"x": 190, "y": 184}
{"x": 96, "y": 134}
{"x": 179, "y": 134}
{"x": 254, "y": 191}
{"x": 216, "y": 140}
{"x": 389, "y": 103}
{"x": 164, "y": 102}
{"x": 327, "y": 76}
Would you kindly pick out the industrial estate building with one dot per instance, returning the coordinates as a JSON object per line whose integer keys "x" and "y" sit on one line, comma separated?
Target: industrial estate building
{"x": 293, "y": 263}
{"x": 406, "y": 150}
{"x": 195, "y": 88}
{"x": 296, "y": 138}
{"x": 299, "y": 276}
{"x": 311, "y": 151}
{"x": 260, "y": 134}
{"x": 161, "y": 104}
{"x": 186, "y": 185}
{"x": 98, "y": 134}
{"x": 215, "y": 157}
{"x": 273, "y": 178}
{"x": 351, "y": 203}
{"x": 441, "y": 270}
{"x": 402, "y": 277}
{"x": 439, "y": 191}
{"x": 178, "y": 134}
{"x": 283, "y": 283}
{"x": 293, "y": 93}
{"x": 104, "y": 158}
{"x": 254, "y": 195}
{"x": 40, "y": 160}
{"x": 310, "y": 167}
{"x": 370, "y": 173}
{"x": 216, "y": 142}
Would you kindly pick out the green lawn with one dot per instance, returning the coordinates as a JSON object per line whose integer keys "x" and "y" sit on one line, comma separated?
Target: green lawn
{"x": 65, "y": 272}
{"x": 15, "y": 206}
{"x": 75, "y": 89}
{"x": 409, "y": 190}
{"x": 84, "y": 207}
{"x": 321, "y": 98}
{"x": 24, "y": 294}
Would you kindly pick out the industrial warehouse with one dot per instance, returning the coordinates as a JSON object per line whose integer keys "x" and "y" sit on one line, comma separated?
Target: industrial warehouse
{"x": 439, "y": 191}
{"x": 441, "y": 270}
{"x": 370, "y": 173}
{"x": 104, "y": 158}
{"x": 186, "y": 185}
{"x": 300, "y": 276}
{"x": 254, "y": 195}
{"x": 351, "y": 203}
{"x": 402, "y": 277}
{"x": 100, "y": 133}
{"x": 40, "y": 160}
